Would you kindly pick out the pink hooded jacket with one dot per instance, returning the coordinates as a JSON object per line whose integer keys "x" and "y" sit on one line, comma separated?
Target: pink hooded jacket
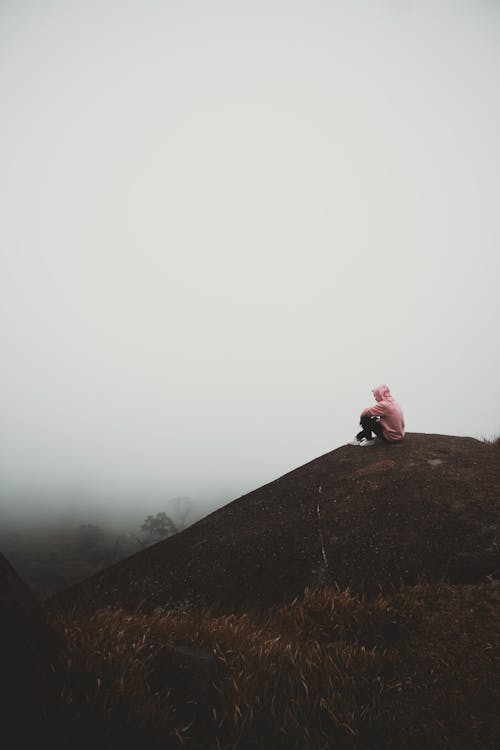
{"x": 390, "y": 413}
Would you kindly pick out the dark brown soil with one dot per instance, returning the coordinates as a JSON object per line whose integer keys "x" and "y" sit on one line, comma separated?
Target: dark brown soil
{"x": 366, "y": 518}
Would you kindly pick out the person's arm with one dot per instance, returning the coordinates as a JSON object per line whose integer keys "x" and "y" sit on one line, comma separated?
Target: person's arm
{"x": 377, "y": 410}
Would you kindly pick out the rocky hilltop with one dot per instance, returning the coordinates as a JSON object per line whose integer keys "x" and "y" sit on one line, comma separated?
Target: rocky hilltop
{"x": 366, "y": 518}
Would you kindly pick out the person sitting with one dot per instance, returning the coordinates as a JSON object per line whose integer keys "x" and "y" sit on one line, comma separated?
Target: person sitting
{"x": 384, "y": 419}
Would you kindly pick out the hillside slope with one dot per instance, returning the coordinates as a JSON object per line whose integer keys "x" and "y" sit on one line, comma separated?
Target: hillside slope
{"x": 30, "y": 652}
{"x": 364, "y": 518}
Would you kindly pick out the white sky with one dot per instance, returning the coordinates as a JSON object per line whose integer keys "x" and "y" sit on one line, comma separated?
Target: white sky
{"x": 224, "y": 222}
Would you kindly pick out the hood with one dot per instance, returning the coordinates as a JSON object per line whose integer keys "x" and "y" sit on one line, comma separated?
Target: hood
{"x": 382, "y": 393}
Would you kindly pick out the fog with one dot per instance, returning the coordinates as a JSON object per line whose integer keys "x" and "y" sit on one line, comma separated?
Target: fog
{"x": 223, "y": 223}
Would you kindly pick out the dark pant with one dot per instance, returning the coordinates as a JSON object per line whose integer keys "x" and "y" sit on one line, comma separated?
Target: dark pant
{"x": 369, "y": 425}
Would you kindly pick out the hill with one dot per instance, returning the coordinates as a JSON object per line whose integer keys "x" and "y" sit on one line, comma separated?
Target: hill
{"x": 30, "y": 655}
{"x": 365, "y": 518}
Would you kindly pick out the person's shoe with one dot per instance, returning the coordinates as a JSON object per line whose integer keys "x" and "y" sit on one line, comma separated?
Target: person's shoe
{"x": 354, "y": 441}
{"x": 366, "y": 443}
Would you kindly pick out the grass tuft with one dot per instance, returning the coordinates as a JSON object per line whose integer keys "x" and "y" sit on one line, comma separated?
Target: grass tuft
{"x": 327, "y": 670}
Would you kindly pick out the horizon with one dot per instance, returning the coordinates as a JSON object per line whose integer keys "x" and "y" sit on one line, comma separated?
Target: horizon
{"x": 69, "y": 509}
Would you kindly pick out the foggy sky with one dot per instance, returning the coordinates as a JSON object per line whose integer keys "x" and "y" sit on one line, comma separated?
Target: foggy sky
{"x": 224, "y": 222}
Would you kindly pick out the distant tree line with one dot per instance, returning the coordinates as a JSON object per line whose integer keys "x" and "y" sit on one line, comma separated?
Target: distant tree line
{"x": 52, "y": 559}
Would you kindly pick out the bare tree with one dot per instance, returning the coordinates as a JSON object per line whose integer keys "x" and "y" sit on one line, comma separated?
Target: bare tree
{"x": 181, "y": 509}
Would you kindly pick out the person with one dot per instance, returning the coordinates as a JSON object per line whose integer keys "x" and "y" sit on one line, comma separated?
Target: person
{"x": 384, "y": 419}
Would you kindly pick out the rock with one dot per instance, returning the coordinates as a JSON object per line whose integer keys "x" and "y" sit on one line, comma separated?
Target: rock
{"x": 29, "y": 655}
{"x": 426, "y": 509}
{"x": 188, "y": 674}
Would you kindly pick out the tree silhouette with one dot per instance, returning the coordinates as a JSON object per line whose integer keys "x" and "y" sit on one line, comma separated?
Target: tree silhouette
{"x": 160, "y": 526}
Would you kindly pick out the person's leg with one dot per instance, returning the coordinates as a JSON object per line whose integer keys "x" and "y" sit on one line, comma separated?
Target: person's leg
{"x": 369, "y": 425}
{"x": 366, "y": 431}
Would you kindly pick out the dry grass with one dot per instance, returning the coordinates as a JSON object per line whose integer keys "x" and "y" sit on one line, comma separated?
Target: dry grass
{"x": 493, "y": 441}
{"x": 330, "y": 670}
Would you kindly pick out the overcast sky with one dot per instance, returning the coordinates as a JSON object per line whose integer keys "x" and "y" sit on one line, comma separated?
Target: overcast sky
{"x": 224, "y": 222}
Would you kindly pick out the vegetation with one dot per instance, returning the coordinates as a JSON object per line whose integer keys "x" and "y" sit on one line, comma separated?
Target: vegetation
{"x": 160, "y": 526}
{"x": 494, "y": 441}
{"x": 52, "y": 558}
{"x": 329, "y": 670}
